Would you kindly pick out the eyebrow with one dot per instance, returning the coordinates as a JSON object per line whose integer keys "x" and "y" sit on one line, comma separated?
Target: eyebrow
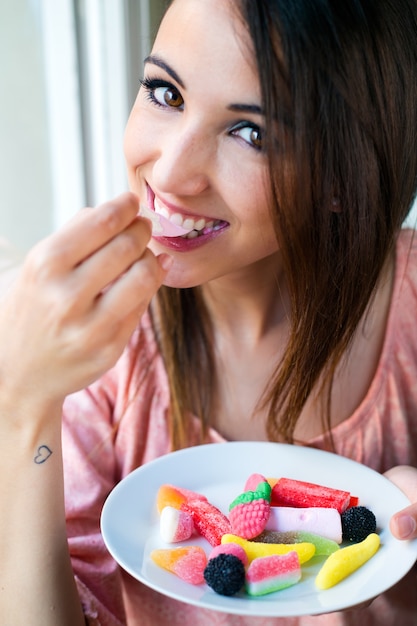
{"x": 246, "y": 108}
{"x": 153, "y": 59}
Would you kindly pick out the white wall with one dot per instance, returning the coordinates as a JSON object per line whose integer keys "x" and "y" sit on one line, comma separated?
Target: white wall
{"x": 61, "y": 117}
{"x": 25, "y": 182}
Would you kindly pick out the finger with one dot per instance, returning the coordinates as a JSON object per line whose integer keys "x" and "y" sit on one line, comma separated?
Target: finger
{"x": 84, "y": 234}
{"x": 133, "y": 291}
{"x": 403, "y": 524}
{"x": 114, "y": 259}
{"x": 118, "y": 310}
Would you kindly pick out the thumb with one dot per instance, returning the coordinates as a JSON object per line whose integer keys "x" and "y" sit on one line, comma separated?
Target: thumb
{"x": 403, "y": 524}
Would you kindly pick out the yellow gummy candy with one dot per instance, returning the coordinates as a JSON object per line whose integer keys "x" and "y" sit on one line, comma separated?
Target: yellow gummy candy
{"x": 345, "y": 561}
{"x": 255, "y": 549}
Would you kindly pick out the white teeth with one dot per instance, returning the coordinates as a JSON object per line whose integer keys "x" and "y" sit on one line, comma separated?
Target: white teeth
{"x": 200, "y": 224}
{"x": 189, "y": 223}
{"x": 178, "y": 220}
{"x": 192, "y": 235}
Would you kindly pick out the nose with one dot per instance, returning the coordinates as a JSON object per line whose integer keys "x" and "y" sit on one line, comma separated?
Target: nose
{"x": 182, "y": 166}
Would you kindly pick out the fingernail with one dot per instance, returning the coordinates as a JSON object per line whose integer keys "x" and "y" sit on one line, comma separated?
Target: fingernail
{"x": 165, "y": 261}
{"x": 406, "y": 526}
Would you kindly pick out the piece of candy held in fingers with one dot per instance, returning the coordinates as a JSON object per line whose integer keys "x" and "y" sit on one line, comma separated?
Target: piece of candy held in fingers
{"x": 188, "y": 562}
{"x": 161, "y": 226}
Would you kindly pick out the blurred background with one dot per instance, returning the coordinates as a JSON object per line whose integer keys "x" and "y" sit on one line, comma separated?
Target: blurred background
{"x": 70, "y": 72}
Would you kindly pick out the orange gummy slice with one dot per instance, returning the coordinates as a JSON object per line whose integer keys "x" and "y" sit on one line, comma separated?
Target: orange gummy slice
{"x": 171, "y": 495}
{"x": 187, "y": 562}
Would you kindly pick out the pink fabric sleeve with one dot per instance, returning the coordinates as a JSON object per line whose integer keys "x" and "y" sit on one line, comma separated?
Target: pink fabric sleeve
{"x": 109, "y": 429}
{"x": 87, "y": 433}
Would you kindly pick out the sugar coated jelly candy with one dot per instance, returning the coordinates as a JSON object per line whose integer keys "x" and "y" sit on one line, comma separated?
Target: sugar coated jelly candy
{"x": 323, "y": 546}
{"x": 230, "y": 548}
{"x": 175, "y": 525}
{"x": 297, "y": 493}
{"x": 268, "y": 574}
{"x": 347, "y": 560}
{"x": 171, "y": 495}
{"x": 256, "y": 549}
{"x": 208, "y": 520}
{"x": 188, "y": 562}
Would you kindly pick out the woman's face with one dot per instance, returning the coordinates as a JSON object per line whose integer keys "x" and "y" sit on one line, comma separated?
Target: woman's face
{"x": 193, "y": 143}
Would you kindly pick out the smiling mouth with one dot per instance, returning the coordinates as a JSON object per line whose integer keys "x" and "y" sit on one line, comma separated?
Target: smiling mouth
{"x": 196, "y": 227}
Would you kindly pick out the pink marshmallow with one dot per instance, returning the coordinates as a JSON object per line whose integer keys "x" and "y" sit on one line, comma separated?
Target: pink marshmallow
{"x": 321, "y": 521}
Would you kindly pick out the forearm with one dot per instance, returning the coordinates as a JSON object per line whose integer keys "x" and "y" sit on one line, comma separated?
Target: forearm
{"x": 37, "y": 585}
{"x": 87, "y": 286}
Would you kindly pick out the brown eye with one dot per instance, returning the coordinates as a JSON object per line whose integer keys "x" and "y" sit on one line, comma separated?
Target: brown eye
{"x": 249, "y": 133}
{"x": 169, "y": 97}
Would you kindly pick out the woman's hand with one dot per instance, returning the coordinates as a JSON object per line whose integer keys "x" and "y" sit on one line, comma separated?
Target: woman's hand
{"x": 76, "y": 301}
{"x": 403, "y": 524}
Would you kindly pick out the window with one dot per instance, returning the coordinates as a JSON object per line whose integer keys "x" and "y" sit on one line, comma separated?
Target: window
{"x": 70, "y": 73}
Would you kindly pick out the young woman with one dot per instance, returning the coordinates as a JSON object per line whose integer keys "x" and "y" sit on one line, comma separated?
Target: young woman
{"x": 285, "y": 134}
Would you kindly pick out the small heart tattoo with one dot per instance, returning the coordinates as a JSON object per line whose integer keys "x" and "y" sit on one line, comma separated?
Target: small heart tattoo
{"x": 43, "y": 455}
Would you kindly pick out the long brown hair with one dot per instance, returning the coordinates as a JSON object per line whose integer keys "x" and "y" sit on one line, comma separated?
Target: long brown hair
{"x": 339, "y": 88}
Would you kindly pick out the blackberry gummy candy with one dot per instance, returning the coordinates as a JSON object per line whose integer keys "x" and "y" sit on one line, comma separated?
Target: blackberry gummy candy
{"x": 225, "y": 574}
{"x": 357, "y": 523}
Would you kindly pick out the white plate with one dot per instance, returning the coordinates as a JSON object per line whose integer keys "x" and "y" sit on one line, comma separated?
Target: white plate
{"x": 131, "y": 530}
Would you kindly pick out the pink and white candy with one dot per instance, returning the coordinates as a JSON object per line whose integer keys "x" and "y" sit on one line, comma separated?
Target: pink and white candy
{"x": 175, "y": 525}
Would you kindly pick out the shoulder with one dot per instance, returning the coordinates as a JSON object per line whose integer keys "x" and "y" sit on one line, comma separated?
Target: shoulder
{"x": 406, "y": 256}
{"x": 404, "y": 293}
